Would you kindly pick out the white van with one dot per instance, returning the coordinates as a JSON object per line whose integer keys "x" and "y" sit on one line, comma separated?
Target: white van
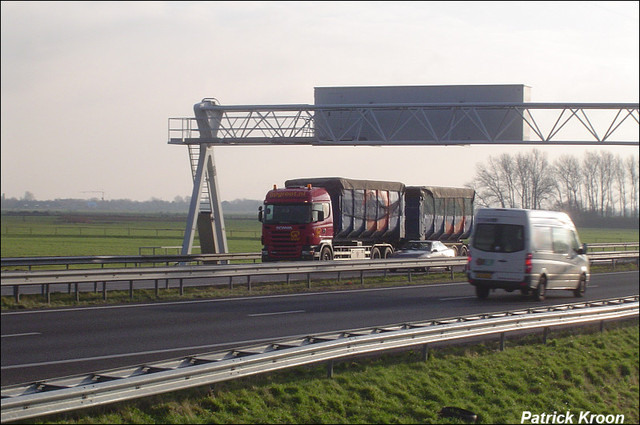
{"x": 526, "y": 250}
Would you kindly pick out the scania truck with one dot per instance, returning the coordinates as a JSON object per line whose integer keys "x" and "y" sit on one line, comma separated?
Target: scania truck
{"x": 339, "y": 218}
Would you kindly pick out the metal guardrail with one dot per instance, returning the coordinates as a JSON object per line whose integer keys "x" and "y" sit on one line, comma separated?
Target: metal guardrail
{"x": 60, "y": 395}
{"x": 190, "y": 258}
{"x": 16, "y": 279}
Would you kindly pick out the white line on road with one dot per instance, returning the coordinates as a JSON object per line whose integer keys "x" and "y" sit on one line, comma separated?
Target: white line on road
{"x": 456, "y": 298}
{"x": 24, "y": 334}
{"x": 276, "y": 313}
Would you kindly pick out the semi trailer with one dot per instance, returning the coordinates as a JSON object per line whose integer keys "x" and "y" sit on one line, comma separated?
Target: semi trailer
{"x": 339, "y": 218}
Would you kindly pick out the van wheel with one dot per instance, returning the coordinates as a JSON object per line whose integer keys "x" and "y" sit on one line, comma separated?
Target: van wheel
{"x": 482, "y": 292}
{"x": 582, "y": 287}
{"x": 326, "y": 254}
{"x": 541, "y": 290}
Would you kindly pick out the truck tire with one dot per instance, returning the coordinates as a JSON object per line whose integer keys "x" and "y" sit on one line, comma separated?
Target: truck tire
{"x": 375, "y": 253}
{"x": 326, "y": 254}
{"x": 386, "y": 252}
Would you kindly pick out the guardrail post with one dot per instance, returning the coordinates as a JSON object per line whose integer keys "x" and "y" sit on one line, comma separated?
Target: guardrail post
{"x": 330, "y": 369}
{"x": 545, "y": 334}
{"x": 181, "y": 288}
{"x": 156, "y": 287}
{"x": 309, "y": 280}
{"x": 409, "y": 275}
{"x": 104, "y": 290}
{"x": 230, "y": 282}
{"x": 425, "y": 352}
{"x": 288, "y": 278}
{"x": 502, "y": 340}
{"x": 77, "y": 291}
{"x": 131, "y": 289}
{"x": 249, "y": 283}
{"x": 48, "y": 294}
{"x": 16, "y": 293}
{"x": 362, "y": 277}
{"x": 451, "y": 268}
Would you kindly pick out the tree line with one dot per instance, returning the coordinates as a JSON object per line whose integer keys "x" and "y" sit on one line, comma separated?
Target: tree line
{"x": 599, "y": 183}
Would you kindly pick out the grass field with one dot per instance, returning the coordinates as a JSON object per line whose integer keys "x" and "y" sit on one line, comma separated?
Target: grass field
{"x": 102, "y": 234}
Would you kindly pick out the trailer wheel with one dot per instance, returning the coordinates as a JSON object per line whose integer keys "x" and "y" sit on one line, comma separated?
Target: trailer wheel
{"x": 464, "y": 251}
{"x": 386, "y": 252}
{"x": 455, "y": 250}
{"x": 326, "y": 254}
{"x": 375, "y": 253}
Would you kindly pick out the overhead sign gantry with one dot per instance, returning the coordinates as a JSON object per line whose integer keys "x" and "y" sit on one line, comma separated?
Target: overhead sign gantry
{"x": 380, "y": 124}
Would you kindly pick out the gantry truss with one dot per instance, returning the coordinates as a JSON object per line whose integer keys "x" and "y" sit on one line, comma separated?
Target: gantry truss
{"x": 410, "y": 124}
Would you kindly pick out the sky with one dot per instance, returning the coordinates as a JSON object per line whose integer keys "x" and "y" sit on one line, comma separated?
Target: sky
{"x": 88, "y": 87}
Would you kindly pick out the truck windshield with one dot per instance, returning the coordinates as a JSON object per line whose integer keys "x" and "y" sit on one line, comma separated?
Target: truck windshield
{"x": 287, "y": 214}
{"x": 499, "y": 237}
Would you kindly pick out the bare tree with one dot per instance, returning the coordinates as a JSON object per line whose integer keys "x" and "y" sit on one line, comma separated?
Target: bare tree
{"x": 568, "y": 180}
{"x": 621, "y": 182}
{"x": 590, "y": 165}
{"x": 632, "y": 170}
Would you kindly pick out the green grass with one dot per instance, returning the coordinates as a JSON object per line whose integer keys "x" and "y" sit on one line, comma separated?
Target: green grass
{"x": 102, "y": 234}
{"x": 575, "y": 371}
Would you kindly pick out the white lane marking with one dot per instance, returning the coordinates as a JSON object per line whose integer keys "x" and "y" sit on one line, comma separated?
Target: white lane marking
{"x": 276, "y": 313}
{"x": 456, "y": 298}
{"x": 24, "y": 334}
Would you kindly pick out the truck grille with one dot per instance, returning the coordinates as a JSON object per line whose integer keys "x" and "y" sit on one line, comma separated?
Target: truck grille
{"x": 282, "y": 246}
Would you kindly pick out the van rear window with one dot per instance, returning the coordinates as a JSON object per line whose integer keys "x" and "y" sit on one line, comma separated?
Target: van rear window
{"x": 496, "y": 237}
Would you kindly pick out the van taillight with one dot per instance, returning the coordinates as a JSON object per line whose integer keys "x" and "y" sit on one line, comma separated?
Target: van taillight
{"x": 528, "y": 264}
{"x": 469, "y": 263}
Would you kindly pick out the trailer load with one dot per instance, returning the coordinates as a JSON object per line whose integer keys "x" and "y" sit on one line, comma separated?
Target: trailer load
{"x": 334, "y": 217}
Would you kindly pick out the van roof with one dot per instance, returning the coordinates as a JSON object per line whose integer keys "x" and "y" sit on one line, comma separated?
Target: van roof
{"x": 519, "y": 212}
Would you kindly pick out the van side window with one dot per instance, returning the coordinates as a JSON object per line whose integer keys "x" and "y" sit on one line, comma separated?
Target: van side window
{"x": 561, "y": 240}
{"x": 542, "y": 238}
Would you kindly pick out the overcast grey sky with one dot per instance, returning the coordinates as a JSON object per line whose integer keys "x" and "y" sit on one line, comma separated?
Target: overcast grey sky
{"x": 87, "y": 88}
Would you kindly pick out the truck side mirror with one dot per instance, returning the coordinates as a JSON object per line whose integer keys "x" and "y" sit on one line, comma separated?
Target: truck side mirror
{"x": 260, "y": 214}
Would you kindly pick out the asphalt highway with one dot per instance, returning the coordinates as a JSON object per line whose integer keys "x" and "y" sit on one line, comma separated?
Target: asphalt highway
{"x": 44, "y": 344}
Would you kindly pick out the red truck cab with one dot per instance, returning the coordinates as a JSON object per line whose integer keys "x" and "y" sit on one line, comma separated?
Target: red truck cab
{"x": 296, "y": 223}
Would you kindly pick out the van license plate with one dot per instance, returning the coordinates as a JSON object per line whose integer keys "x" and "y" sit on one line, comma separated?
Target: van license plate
{"x": 484, "y": 275}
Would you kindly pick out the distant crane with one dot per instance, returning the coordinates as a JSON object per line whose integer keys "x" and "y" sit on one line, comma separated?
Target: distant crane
{"x": 101, "y": 192}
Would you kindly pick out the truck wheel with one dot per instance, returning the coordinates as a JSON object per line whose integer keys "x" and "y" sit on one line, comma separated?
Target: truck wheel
{"x": 387, "y": 252}
{"x": 582, "y": 287}
{"x": 464, "y": 251}
{"x": 375, "y": 253}
{"x": 326, "y": 254}
{"x": 482, "y": 292}
{"x": 541, "y": 290}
